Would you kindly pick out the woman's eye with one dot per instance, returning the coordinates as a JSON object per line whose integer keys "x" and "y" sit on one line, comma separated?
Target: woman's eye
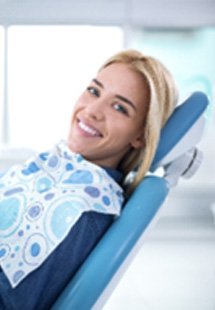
{"x": 93, "y": 90}
{"x": 120, "y": 108}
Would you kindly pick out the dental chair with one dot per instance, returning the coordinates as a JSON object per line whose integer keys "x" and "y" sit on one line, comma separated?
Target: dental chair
{"x": 178, "y": 157}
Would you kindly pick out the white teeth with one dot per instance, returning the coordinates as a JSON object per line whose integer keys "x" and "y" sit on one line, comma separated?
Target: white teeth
{"x": 88, "y": 129}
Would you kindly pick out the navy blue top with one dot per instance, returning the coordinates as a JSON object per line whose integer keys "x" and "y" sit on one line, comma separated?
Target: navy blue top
{"x": 42, "y": 287}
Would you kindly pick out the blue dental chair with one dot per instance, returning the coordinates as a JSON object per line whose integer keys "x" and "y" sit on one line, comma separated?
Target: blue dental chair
{"x": 178, "y": 156}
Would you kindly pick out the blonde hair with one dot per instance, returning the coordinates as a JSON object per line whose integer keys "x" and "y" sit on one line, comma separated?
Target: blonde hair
{"x": 162, "y": 101}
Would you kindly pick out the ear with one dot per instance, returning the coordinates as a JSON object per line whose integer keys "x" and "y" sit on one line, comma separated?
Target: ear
{"x": 138, "y": 142}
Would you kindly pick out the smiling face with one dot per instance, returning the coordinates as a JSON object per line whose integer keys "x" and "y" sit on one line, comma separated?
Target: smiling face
{"x": 108, "y": 118}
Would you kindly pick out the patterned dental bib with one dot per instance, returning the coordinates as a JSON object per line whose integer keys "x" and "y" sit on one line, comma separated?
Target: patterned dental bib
{"x": 41, "y": 200}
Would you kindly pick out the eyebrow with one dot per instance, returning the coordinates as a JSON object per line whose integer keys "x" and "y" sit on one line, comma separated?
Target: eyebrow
{"x": 126, "y": 100}
{"x": 98, "y": 83}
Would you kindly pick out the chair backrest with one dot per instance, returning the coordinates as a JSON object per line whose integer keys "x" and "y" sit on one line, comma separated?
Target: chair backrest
{"x": 101, "y": 271}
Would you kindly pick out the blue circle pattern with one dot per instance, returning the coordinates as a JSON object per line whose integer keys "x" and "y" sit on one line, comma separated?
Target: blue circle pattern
{"x": 18, "y": 275}
{"x": 53, "y": 161}
{"x": 69, "y": 167}
{"x": 4, "y": 251}
{"x": 43, "y": 184}
{"x": 92, "y": 191}
{"x": 79, "y": 177}
{"x": 63, "y": 217}
{"x": 34, "y": 211}
{"x": 106, "y": 200}
{"x": 49, "y": 196}
{"x": 35, "y": 249}
{"x": 9, "y": 210}
{"x": 64, "y": 187}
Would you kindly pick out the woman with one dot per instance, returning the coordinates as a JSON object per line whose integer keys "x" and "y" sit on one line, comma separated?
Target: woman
{"x": 115, "y": 127}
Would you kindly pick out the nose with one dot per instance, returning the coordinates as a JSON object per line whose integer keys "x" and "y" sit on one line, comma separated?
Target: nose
{"x": 96, "y": 109}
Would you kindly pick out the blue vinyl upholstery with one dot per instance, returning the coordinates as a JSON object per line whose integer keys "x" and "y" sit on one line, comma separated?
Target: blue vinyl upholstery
{"x": 184, "y": 116}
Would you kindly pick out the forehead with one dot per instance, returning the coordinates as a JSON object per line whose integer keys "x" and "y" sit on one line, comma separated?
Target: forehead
{"x": 121, "y": 79}
{"x": 119, "y": 73}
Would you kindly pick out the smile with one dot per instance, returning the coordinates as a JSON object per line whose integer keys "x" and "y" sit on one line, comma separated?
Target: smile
{"x": 89, "y": 130}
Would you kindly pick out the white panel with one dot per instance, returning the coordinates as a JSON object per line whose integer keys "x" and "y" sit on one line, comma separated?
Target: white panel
{"x": 151, "y": 13}
{"x": 173, "y": 13}
{"x": 62, "y": 12}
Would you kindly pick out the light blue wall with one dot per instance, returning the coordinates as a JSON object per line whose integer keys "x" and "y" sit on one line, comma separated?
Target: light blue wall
{"x": 189, "y": 54}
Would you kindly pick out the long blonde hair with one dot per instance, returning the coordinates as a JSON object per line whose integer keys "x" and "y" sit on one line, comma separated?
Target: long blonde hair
{"x": 162, "y": 101}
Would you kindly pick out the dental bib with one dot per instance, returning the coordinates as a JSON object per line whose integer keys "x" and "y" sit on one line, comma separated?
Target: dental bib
{"x": 42, "y": 200}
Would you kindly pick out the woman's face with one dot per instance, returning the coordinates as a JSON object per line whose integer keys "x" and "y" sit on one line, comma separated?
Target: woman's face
{"x": 108, "y": 118}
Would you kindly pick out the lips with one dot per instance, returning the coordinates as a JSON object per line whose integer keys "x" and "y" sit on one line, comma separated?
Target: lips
{"x": 88, "y": 129}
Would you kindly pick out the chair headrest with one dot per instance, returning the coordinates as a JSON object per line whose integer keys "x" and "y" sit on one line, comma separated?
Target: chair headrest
{"x": 186, "y": 116}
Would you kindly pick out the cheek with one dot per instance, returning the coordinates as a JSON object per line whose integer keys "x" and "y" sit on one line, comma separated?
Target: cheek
{"x": 127, "y": 127}
{"x": 121, "y": 131}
